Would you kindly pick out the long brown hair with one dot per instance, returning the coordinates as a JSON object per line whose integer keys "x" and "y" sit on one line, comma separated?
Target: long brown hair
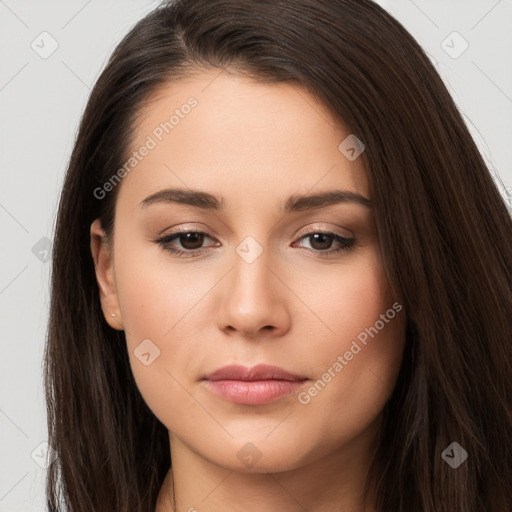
{"x": 445, "y": 236}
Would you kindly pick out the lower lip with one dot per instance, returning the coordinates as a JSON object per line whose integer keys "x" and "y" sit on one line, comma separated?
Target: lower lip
{"x": 255, "y": 392}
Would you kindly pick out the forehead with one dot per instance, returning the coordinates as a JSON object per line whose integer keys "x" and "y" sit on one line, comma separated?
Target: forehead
{"x": 238, "y": 138}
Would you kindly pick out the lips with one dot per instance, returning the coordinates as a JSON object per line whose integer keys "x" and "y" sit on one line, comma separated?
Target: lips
{"x": 259, "y": 385}
{"x": 258, "y": 372}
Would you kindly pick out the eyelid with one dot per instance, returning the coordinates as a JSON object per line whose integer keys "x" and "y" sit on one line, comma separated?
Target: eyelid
{"x": 307, "y": 230}
{"x": 183, "y": 229}
{"x": 316, "y": 229}
{"x": 348, "y": 243}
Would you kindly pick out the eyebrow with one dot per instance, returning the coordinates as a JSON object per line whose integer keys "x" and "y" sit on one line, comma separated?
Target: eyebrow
{"x": 295, "y": 203}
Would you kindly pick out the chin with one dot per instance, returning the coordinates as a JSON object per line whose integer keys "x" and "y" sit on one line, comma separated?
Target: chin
{"x": 261, "y": 455}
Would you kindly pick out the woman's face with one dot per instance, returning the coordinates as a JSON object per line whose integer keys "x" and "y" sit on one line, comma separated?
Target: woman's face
{"x": 262, "y": 285}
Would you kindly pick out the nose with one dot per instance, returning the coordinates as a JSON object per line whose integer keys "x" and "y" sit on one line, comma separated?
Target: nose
{"x": 254, "y": 300}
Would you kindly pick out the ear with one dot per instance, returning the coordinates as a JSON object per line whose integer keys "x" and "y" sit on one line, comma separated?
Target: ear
{"x": 104, "y": 268}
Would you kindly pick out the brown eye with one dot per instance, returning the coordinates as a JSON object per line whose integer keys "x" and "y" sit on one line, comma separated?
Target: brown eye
{"x": 183, "y": 243}
{"x": 190, "y": 243}
{"x": 321, "y": 243}
{"x": 192, "y": 240}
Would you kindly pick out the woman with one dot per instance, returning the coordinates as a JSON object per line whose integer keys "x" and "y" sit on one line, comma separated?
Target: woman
{"x": 281, "y": 275}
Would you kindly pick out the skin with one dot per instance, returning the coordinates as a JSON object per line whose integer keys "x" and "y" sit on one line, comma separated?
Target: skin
{"x": 254, "y": 144}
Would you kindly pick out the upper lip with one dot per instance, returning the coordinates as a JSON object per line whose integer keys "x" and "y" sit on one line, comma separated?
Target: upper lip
{"x": 258, "y": 372}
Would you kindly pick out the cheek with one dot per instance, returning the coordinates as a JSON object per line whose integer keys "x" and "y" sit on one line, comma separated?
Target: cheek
{"x": 356, "y": 366}
{"x": 352, "y": 297}
{"x": 156, "y": 298}
{"x": 159, "y": 306}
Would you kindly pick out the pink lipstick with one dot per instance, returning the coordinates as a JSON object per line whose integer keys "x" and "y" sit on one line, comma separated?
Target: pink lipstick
{"x": 258, "y": 385}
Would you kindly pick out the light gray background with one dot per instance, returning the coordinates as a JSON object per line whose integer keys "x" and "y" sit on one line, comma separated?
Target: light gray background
{"x": 41, "y": 101}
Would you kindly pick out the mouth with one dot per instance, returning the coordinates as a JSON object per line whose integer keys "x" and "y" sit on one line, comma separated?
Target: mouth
{"x": 258, "y": 385}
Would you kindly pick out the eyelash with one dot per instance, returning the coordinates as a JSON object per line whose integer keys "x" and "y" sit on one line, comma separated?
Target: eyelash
{"x": 347, "y": 243}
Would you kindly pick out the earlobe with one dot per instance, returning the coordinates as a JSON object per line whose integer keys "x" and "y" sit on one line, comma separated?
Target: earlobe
{"x": 104, "y": 269}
